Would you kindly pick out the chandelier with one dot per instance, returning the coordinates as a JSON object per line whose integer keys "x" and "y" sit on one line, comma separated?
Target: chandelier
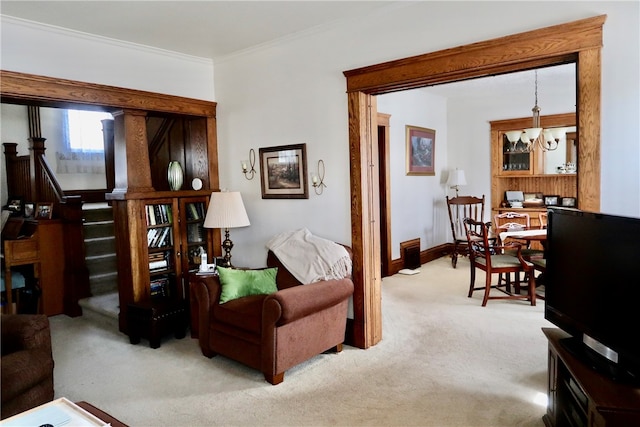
{"x": 546, "y": 139}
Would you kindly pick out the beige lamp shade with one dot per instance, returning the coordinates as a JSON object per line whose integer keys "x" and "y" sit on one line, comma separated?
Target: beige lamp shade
{"x": 456, "y": 177}
{"x": 226, "y": 210}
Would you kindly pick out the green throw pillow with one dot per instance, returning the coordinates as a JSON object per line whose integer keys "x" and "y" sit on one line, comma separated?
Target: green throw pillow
{"x": 241, "y": 283}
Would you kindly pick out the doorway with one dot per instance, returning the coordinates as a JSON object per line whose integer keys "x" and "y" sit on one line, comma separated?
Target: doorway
{"x": 582, "y": 44}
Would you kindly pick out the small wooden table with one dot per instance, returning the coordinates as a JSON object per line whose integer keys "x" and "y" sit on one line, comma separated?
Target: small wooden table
{"x": 19, "y": 252}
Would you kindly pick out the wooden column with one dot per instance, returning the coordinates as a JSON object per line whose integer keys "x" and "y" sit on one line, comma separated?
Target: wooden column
{"x": 365, "y": 218}
{"x": 131, "y": 152}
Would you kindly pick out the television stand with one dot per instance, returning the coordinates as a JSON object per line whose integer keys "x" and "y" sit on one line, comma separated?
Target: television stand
{"x": 581, "y": 396}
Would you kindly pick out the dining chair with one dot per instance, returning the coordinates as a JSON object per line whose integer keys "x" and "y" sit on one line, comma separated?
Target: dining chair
{"x": 510, "y": 221}
{"x": 492, "y": 260}
{"x": 461, "y": 207}
{"x": 542, "y": 218}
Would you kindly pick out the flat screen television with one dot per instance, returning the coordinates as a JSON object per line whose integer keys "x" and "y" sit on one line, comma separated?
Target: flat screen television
{"x": 592, "y": 288}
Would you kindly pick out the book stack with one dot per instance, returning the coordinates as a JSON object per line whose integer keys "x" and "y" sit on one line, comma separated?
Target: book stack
{"x": 158, "y": 214}
{"x": 157, "y": 262}
{"x": 159, "y": 237}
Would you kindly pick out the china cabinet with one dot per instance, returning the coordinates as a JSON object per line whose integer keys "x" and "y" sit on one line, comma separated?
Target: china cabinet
{"x": 532, "y": 172}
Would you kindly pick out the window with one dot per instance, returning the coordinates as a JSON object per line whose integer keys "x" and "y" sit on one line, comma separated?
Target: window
{"x": 84, "y": 130}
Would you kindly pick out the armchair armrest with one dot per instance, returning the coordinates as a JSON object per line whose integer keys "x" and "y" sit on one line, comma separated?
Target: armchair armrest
{"x": 288, "y": 305}
{"x": 207, "y": 293}
{"x": 25, "y": 332}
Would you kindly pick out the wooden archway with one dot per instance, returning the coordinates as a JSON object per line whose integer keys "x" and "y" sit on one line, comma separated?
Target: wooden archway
{"x": 575, "y": 42}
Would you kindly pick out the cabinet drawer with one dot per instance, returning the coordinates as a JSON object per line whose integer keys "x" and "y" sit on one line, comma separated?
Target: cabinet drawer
{"x": 21, "y": 251}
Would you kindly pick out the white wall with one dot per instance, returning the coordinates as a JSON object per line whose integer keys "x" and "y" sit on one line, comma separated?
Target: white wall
{"x": 294, "y": 92}
{"x": 46, "y": 50}
{"x": 414, "y": 198}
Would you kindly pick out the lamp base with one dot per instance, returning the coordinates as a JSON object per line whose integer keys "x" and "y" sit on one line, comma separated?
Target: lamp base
{"x": 227, "y": 245}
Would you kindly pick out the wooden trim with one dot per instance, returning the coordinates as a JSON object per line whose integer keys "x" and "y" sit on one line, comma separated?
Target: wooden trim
{"x": 533, "y": 49}
{"x": 385, "y": 194}
{"x": 553, "y": 120}
{"x": 426, "y": 256}
{"x": 44, "y": 90}
{"x": 578, "y": 41}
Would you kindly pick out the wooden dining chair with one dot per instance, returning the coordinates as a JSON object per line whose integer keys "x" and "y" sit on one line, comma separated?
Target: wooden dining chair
{"x": 510, "y": 221}
{"x": 460, "y": 208}
{"x": 542, "y": 217}
{"x": 492, "y": 260}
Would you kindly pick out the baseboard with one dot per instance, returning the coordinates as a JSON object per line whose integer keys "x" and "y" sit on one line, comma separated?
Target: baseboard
{"x": 425, "y": 256}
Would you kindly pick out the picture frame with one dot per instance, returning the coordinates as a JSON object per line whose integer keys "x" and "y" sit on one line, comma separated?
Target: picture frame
{"x": 420, "y": 152}
{"x": 15, "y": 206}
{"x": 568, "y": 202}
{"x": 283, "y": 172}
{"x": 551, "y": 200}
{"x": 44, "y": 210}
{"x": 29, "y": 210}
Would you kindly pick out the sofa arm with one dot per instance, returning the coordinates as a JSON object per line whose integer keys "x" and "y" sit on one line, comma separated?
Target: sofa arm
{"x": 288, "y": 305}
{"x": 25, "y": 332}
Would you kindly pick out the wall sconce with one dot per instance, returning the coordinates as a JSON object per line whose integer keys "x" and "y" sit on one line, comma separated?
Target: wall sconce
{"x": 251, "y": 162}
{"x": 318, "y": 180}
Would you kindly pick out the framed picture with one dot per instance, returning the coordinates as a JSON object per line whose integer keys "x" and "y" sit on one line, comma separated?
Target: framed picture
{"x": 44, "y": 210}
{"x": 568, "y": 202}
{"x": 283, "y": 172}
{"x": 421, "y": 145}
{"x": 551, "y": 200}
{"x": 14, "y": 205}
{"x": 28, "y": 210}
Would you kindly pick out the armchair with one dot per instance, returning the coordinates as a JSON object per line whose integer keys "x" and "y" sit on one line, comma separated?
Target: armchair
{"x": 27, "y": 363}
{"x": 275, "y": 332}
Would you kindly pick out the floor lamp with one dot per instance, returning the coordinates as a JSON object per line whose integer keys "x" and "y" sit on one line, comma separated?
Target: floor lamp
{"x": 226, "y": 211}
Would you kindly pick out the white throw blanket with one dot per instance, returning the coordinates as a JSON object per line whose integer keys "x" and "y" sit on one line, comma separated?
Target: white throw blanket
{"x": 310, "y": 258}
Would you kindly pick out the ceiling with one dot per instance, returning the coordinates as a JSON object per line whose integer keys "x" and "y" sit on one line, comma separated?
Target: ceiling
{"x": 216, "y": 29}
{"x": 208, "y": 29}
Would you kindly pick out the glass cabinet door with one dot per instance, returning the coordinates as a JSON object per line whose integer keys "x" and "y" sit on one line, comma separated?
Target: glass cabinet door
{"x": 514, "y": 159}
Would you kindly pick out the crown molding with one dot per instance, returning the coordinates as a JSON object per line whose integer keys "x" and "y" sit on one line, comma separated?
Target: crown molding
{"x": 47, "y": 28}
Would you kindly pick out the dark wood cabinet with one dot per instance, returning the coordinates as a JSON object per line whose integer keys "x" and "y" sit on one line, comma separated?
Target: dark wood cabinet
{"x": 580, "y": 396}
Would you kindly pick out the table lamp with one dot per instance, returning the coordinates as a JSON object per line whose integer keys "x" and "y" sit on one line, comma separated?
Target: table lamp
{"x": 456, "y": 179}
{"x": 226, "y": 210}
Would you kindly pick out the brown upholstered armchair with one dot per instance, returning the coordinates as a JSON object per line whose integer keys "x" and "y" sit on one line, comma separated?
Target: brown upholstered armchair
{"x": 273, "y": 333}
{"x": 27, "y": 363}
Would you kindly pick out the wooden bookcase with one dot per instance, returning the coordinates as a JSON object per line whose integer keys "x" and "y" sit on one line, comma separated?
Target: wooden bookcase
{"x": 580, "y": 396}
{"x": 162, "y": 237}
{"x": 514, "y": 171}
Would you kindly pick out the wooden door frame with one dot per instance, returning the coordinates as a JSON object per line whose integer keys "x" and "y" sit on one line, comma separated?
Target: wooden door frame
{"x": 384, "y": 154}
{"x": 577, "y": 42}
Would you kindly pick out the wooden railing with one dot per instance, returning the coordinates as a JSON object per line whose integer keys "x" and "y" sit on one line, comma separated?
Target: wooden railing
{"x": 31, "y": 178}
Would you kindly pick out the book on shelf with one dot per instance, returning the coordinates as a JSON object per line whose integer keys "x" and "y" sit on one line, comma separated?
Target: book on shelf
{"x": 158, "y": 265}
{"x": 158, "y": 214}
{"x": 159, "y": 287}
{"x": 192, "y": 212}
{"x": 194, "y": 233}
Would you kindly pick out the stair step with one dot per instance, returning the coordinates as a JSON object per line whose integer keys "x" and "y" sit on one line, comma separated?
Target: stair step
{"x": 103, "y": 283}
{"x": 93, "y": 230}
{"x": 101, "y": 264}
{"x": 96, "y": 215}
{"x": 100, "y": 246}
{"x": 103, "y": 309}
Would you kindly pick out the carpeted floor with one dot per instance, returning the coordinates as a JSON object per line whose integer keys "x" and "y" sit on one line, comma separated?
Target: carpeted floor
{"x": 443, "y": 361}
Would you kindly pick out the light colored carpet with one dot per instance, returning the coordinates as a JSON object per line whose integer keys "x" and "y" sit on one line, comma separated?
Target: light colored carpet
{"x": 443, "y": 361}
